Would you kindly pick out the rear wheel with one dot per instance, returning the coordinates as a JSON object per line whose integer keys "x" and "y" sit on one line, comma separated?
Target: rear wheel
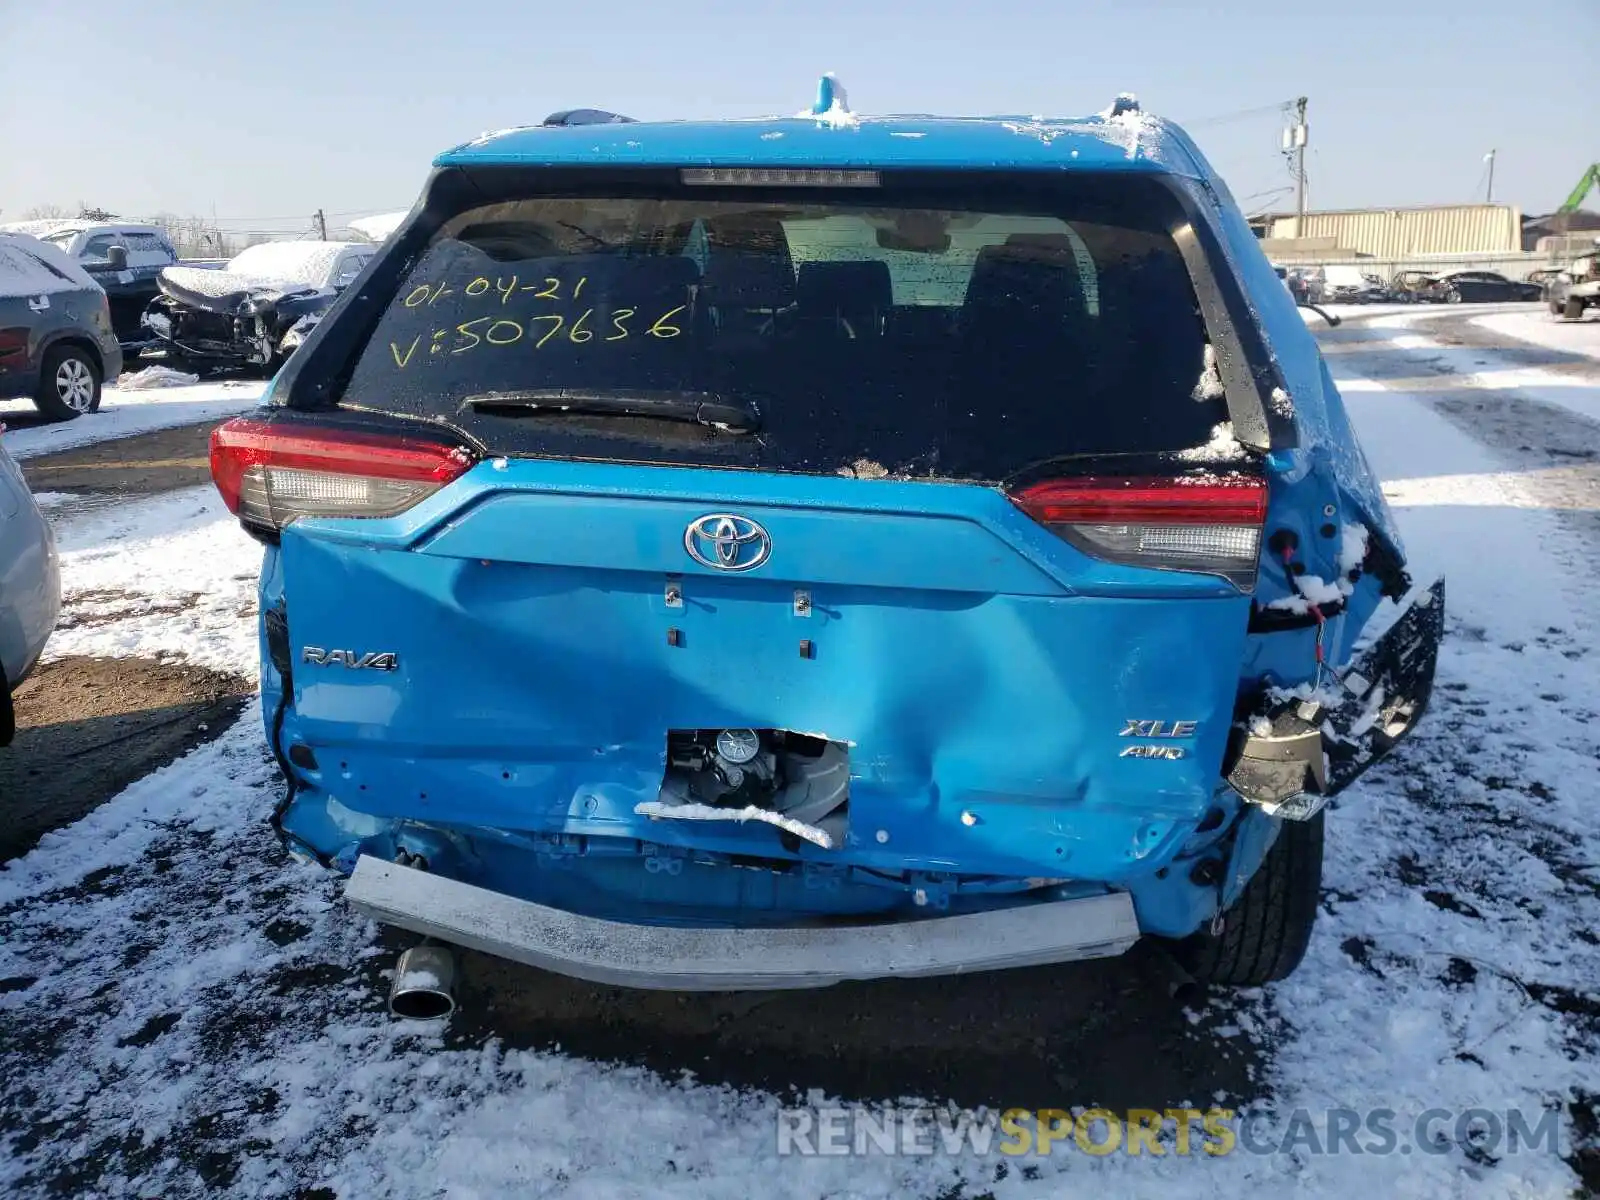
{"x": 1265, "y": 933}
{"x": 69, "y": 384}
{"x": 1574, "y": 309}
{"x": 1555, "y": 308}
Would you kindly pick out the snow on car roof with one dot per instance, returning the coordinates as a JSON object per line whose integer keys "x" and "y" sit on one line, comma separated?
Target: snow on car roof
{"x": 290, "y": 262}
{"x": 379, "y": 227}
{"x": 44, "y": 227}
{"x": 29, "y": 267}
{"x": 53, "y": 225}
{"x": 1126, "y": 141}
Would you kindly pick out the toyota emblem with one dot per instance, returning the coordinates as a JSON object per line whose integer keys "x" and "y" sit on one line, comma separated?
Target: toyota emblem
{"x": 726, "y": 542}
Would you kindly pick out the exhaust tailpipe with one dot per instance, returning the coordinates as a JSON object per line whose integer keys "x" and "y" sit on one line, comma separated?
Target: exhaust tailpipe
{"x": 424, "y": 987}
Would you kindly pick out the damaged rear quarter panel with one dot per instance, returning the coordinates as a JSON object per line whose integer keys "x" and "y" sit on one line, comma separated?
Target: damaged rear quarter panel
{"x": 1322, "y": 425}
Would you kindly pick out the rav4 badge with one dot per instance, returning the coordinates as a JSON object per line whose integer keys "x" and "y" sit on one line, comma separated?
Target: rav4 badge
{"x": 384, "y": 660}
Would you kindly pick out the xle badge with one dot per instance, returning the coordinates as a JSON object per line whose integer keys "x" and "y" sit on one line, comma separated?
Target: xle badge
{"x": 1159, "y": 729}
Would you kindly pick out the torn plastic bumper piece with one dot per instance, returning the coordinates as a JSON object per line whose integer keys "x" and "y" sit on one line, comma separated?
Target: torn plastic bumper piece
{"x": 732, "y": 959}
{"x": 1314, "y": 749}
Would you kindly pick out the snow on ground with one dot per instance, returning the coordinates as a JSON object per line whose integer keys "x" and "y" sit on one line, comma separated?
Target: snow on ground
{"x": 169, "y": 576}
{"x": 1542, "y": 329}
{"x": 1408, "y": 327}
{"x": 124, "y": 413}
{"x": 187, "y": 1011}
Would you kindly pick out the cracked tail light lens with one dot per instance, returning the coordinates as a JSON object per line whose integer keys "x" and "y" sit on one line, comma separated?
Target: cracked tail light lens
{"x": 271, "y": 474}
{"x": 1206, "y": 526}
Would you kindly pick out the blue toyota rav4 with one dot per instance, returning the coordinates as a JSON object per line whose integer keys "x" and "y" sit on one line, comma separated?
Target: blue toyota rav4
{"x": 768, "y": 553}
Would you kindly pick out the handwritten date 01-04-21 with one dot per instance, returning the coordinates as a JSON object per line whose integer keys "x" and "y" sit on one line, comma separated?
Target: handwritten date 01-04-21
{"x": 615, "y": 325}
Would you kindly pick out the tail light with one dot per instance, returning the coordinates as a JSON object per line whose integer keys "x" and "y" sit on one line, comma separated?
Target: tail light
{"x": 1210, "y": 526}
{"x": 269, "y": 474}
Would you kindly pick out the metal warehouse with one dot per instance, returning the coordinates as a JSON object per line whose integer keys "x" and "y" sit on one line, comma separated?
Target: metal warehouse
{"x": 1402, "y": 232}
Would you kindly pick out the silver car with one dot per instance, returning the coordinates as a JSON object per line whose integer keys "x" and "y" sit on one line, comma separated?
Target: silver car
{"x": 30, "y": 586}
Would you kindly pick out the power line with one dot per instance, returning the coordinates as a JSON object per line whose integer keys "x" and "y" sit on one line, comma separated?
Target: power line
{"x": 1241, "y": 114}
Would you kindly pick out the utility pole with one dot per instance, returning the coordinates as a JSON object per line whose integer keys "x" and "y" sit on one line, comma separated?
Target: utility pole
{"x": 322, "y": 226}
{"x": 1296, "y": 138}
{"x": 1488, "y": 197}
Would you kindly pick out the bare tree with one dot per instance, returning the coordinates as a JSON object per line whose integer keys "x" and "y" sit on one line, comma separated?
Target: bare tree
{"x": 195, "y": 237}
{"x": 46, "y": 212}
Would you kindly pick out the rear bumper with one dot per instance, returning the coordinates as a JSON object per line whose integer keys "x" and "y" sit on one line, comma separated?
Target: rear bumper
{"x": 718, "y": 959}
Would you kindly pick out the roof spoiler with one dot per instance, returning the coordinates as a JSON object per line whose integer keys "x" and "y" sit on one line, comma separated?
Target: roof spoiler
{"x": 587, "y": 116}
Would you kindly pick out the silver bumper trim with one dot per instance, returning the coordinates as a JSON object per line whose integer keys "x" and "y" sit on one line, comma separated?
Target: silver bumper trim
{"x": 722, "y": 959}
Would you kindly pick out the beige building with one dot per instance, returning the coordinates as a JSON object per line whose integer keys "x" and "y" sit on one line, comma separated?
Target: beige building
{"x": 1396, "y": 233}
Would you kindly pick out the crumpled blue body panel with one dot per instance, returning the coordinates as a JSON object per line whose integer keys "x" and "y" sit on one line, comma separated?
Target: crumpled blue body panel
{"x": 979, "y": 669}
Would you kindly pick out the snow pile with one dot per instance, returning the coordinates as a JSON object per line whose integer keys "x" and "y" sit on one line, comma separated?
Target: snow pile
{"x": 379, "y": 227}
{"x": 1126, "y": 115}
{"x": 1223, "y": 446}
{"x": 155, "y": 377}
{"x": 1353, "y": 542}
{"x": 1209, "y": 386}
{"x": 170, "y": 577}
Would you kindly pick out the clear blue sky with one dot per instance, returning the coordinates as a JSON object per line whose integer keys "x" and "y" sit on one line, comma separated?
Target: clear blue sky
{"x": 273, "y": 108}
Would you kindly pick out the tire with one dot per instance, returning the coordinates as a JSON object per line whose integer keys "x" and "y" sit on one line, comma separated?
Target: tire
{"x": 1452, "y": 297}
{"x": 1573, "y": 310}
{"x": 1265, "y": 933}
{"x": 1555, "y": 308}
{"x": 69, "y": 384}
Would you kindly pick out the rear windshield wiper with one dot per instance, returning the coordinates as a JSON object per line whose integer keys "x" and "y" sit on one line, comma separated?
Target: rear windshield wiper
{"x": 704, "y": 408}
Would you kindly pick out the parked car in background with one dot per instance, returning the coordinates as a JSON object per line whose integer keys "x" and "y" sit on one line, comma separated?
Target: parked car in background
{"x": 1374, "y": 290}
{"x": 1415, "y": 287}
{"x": 124, "y": 259}
{"x": 1343, "y": 284}
{"x": 1577, "y": 288}
{"x": 1544, "y": 277}
{"x": 57, "y": 344}
{"x": 30, "y": 586}
{"x": 1474, "y": 287}
{"x": 729, "y": 577}
{"x": 1308, "y": 284}
{"x": 240, "y": 315}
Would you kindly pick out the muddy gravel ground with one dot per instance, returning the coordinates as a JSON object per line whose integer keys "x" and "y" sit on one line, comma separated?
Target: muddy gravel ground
{"x": 88, "y": 727}
{"x": 140, "y": 465}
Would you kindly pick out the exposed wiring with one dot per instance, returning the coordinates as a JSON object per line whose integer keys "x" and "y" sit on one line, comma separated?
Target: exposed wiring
{"x": 1314, "y": 609}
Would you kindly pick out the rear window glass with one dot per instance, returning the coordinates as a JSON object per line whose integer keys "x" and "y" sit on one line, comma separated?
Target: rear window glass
{"x": 926, "y": 340}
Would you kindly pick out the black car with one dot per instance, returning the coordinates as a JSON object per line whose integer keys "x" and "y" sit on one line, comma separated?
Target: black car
{"x": 123, "y": 259}
{"x": 1484, "y": 286}
{"x": 57, "y": 345}
{"x": 241, "y": 315}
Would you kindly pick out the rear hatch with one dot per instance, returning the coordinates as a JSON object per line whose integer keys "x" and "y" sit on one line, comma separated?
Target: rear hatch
{"x": 931, "y": 472}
